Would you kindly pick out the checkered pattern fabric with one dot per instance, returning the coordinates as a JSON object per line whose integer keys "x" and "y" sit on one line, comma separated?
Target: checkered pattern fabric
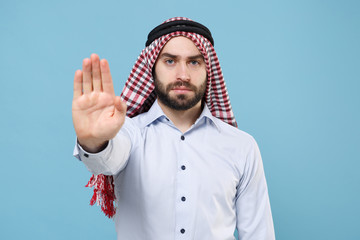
{"x": 139, "y": 93}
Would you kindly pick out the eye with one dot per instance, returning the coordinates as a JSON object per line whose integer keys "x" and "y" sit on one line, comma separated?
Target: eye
{"x": 169, "y": 61}
{"x": 194, "y": 62}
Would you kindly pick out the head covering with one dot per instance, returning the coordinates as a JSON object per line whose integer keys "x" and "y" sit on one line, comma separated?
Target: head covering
{"x": 139, "y": 93}
{"x": 179, "y": 25}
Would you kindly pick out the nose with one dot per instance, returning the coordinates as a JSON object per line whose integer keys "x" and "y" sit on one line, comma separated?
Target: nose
{"x": 182, "y": 72}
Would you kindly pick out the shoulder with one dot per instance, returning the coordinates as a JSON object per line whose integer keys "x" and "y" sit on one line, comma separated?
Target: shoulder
{"x": 132, "y": 130}
{"x": 135, "y": 125}
{"x": 130, "y": 127}
{"x": 232, "y": 132}
{"x": 238, "y": 146}
{"x": 233, "y": 140}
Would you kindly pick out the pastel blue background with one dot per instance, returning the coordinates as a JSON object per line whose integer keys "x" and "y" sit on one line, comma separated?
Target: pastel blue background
{"x": 292, "y": 70}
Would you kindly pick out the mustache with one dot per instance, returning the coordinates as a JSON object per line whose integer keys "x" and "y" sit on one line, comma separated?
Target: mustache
{"x": 181, "y": 84}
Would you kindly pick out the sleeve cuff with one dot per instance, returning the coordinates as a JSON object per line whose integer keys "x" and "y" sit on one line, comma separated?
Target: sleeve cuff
{"x": 108, "y": 161}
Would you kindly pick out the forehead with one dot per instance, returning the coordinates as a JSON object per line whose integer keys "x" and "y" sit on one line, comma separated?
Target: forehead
{"x": 181, "y": 46}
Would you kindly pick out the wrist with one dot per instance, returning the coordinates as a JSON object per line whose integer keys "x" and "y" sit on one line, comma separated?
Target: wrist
{"x": 92, "y": 146}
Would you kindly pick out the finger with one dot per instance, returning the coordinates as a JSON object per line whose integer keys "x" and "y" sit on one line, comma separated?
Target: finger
{"x": 87, "y": 79}
{"x": 96, "y": 74}
{"x": 120, "y": 111}
{"x": 78, "y": 84}
{"x": 107, "y": 83}
{"x": 120, "y": 105}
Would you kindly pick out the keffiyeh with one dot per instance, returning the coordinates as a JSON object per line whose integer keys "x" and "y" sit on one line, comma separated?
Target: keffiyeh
{"x": 139, "y": 93}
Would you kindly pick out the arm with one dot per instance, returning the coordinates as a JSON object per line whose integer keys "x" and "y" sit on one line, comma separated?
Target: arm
{"x": 109, "y": 161}
{"x": 254, "y": 218}
{"x": 98, "y": 116}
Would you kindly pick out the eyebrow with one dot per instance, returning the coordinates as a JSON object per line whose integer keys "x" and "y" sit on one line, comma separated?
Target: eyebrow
{"x": 196, "y": 57}
{"x": 176, "y": 56}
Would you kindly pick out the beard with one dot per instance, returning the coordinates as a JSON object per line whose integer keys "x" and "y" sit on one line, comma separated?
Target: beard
{"x": 180, "y": 101}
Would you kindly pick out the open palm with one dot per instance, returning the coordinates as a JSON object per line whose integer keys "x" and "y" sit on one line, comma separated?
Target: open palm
{"x": 97, "y": 113}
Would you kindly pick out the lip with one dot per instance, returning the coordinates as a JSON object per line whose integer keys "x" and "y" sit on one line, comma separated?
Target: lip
{"x": 181, "y": 90}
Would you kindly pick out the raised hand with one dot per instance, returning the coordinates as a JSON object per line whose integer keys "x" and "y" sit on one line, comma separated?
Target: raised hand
{"x": 97, "y": 113}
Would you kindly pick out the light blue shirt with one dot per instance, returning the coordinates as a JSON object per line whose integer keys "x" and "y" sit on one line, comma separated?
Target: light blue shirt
{"x": 201, "y": 184}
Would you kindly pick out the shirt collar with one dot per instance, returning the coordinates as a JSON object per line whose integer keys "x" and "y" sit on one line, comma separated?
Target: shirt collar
{"x": 207, "y": 116}
{"x": 156, "y": 113}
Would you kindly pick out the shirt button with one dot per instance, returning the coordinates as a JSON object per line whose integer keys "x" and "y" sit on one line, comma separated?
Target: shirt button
{"x": 86, "y": 155}
{"x": 182, "y": 231}
{"x": 183, "y": 199}
{"x": 183, "y": 167}
{"x": 182, "y": 137}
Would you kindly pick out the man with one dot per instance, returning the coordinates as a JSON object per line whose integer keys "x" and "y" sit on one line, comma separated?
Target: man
{"x": 178, "y": 166}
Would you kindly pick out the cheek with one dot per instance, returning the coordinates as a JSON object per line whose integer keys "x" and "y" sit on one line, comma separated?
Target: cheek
{"x": 201, "y": 75}
{"x": 161, "y": 73}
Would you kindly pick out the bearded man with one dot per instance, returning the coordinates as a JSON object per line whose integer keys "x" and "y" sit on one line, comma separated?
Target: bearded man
{"x": 167, "y": 151}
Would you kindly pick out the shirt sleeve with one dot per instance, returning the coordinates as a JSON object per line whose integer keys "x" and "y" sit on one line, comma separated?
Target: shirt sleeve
{"x": 254, "y": 218}
{"x": 109, "y": 161}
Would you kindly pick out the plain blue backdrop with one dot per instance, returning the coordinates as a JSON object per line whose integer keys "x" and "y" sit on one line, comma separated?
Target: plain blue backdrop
{"x": 292, "y": 70}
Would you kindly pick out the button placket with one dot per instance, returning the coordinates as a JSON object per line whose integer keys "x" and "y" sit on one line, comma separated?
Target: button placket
{"x": 182, "y": 207}
{"x": 183, "y": 198}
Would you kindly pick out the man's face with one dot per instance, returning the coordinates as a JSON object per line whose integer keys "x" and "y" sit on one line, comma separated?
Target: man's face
{"x": 180, "y": 74}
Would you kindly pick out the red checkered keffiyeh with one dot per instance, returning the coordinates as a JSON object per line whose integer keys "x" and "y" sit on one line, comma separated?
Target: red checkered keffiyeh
{"x": 139, "y": 96}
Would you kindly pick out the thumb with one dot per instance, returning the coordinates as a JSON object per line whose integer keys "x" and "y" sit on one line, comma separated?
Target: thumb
{"x": 120, "y": 107}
